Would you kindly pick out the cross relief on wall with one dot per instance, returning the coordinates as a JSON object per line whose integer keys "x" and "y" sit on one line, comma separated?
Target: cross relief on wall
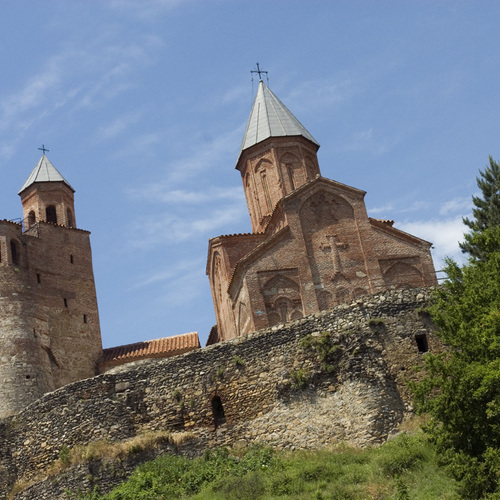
{"x": 333, "y": 247}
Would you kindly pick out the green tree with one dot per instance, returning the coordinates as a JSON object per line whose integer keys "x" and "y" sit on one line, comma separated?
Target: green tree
{"x": 461, "y": 390}
{"x": 487, "y": 209}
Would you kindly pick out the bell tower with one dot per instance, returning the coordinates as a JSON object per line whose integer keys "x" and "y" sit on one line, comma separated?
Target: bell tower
{"x": 49, "y": 319}
{"x": 277, "y": 156}
{"x": 47, "y": 196}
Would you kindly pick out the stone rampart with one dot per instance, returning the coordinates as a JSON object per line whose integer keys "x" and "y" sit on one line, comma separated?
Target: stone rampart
{"x": 280, "y": 387}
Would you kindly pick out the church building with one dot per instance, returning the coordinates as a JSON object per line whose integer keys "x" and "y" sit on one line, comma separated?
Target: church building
{"x": 312, "y": 244}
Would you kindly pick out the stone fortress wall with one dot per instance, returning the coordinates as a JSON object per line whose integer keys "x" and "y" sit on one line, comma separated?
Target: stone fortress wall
{"x": 271, "y": 387}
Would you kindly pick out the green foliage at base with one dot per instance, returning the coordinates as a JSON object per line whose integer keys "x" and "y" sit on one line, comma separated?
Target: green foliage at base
{"x": 461, "y": 389}
{"x": 403, "y": 468}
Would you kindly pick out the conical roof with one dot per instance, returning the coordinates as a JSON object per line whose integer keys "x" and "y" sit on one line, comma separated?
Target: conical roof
{"x": 271, "y": 118}
{"x": 44, "y": 171}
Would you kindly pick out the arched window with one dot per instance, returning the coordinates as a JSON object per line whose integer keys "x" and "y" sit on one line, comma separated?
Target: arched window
{"x": 15, "y": 252}
{"x": 51, "y": 214}
{"x": 267, "y": 193}
{"x": 290, "y": 175}
{"x": 31, "y": 218}
{"x": 218, "y": 411}
{"x": 69, "y": 217}
{"x": 342, "y": 295}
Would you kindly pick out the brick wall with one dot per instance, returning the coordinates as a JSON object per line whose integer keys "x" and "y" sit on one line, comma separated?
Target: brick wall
{"x": 49, "y": 324}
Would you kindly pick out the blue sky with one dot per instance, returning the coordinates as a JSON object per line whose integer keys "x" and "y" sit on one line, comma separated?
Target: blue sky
{"x": 143, "y": 106}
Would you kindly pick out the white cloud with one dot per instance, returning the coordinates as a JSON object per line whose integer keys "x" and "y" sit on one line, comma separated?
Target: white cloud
{"x": 457, "y": 205}
{"x": 180, "y": 269}
{"x": 443, "y": 233}
{"x": 119, "y": 125}
{"x": 161, "y": 193}
{"x": 384, "y": 209}
{"x": 168, "y": 228}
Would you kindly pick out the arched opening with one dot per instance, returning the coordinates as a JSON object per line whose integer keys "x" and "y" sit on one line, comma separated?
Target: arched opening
{"x": 218, "y": 412}
{"x": 15, "y": 252}
{"x": 51, "y": 214}
{"x": 343, "y": 295}
{"x": 31, "y": 218}
{"x": 69, "y": 218}
{"x": 422, "y": 343}
{"x": 267, "y": 193}
{"x": 290, "y": 175}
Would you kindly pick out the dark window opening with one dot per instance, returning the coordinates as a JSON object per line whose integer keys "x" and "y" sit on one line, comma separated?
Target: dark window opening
{"x": 71, "y": 259}
{"x": 28, "y": 376}
{"x": 50, "y": 214}
{"x": 38, "y": 278}
{"x": 69, "y": 217}
{"x": 85, "y": 318}
{"x": 31, "y": 218}
{"x": 422, "y": 344}
{"x": 15, "y": 253}
{"x": 218, "y": 411}
{"x": 290, "y": 174}
{"x": 267, "y": 193}
{"x": 65, "y": 302}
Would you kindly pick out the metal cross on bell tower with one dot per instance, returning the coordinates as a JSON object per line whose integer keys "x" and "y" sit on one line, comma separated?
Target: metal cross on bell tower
{"x": 260, "y": 72}
{"x": 43, "y": 149}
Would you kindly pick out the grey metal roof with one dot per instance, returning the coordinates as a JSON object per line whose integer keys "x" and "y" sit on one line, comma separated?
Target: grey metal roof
{"x": 44, "y": 171}
{"x": 271, "y": 118}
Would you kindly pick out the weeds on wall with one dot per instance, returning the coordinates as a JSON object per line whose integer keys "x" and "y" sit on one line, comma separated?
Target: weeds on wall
{"x": 105, "y": 450}
{"x": 238, "y": 361}
{"x": 327, "y": 350}
{"x": 376, "y": 324}
{"x": 300, "y": 378}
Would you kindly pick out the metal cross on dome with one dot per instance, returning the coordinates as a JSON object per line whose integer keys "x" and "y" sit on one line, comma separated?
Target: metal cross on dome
{"x": 43, "y": 148}
{"x": 260, "y": 72}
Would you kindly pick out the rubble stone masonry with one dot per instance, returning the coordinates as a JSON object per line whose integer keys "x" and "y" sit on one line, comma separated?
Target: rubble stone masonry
{"x": 271, "y": 387}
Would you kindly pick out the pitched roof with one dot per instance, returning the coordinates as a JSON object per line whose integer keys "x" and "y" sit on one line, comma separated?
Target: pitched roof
{"x": 157, "y": 348}
{"x": 44, "y": 171}
{"x": 271, "y": 118}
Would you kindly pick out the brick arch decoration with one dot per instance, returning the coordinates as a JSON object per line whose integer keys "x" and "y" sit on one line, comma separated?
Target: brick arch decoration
{"x": 325, "y": 300}
{"x": 312, "y": 168}
{"x": 402, "y": 275}
{"x": 282, "y": 299}
{"x": 264, "y": 182}
{"x": 325, "y": 208}
{"x": 292, "y": 170}
{"x": 342, "y": 295}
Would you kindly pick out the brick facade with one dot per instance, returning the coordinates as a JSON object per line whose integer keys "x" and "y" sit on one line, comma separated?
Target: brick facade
{"x": 313, "y": 245}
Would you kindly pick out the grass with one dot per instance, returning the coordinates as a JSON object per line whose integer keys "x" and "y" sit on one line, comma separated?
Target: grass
{"x": 403, "y": 468}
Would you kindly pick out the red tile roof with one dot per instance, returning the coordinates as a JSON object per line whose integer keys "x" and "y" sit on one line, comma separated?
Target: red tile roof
{"x": 157, "y": 348}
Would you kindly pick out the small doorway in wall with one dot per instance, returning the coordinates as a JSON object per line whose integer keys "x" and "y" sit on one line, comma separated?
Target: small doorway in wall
{"x": 422, "y": 343}
{"x": 218, "y": 412}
